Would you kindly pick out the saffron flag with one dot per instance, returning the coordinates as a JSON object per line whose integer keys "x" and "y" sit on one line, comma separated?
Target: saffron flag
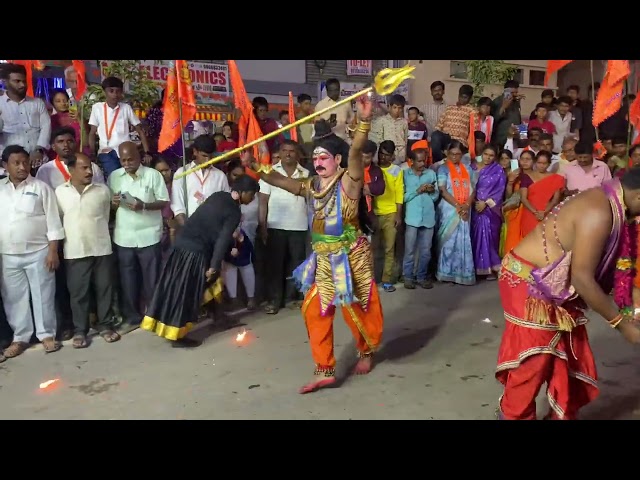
{"x": 552, "y": 67}
{"x": 471, "y": 139}
{"x": 609, "y": 98}
{"x": 292, "y": 118}
{"x": 248, "y": 126}
{"x": 178, "y": 93}
{"x": 78, "y": 66}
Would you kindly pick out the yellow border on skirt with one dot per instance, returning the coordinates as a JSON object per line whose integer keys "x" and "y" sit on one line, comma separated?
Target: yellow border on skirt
{"x": 165, "y": 331}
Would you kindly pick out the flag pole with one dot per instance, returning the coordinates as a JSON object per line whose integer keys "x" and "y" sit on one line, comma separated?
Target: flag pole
{"x": 184, "y": 148}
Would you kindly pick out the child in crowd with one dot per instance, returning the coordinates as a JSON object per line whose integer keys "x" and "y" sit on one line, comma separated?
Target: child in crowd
{"x": 240, "y": 258}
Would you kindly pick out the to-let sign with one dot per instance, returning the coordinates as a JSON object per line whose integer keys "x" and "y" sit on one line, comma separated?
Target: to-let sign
{"x": 360, "y": 68}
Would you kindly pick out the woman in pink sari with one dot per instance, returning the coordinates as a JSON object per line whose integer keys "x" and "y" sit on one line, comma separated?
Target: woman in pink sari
{"x": 486, "y": 219}
{"x": 540, "y": 191}
{"x": 64, "y": 118}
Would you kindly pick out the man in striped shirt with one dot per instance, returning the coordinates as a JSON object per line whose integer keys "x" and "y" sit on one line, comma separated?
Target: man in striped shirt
{"x": 454, "y": 124}
{"x": 432, "y": 110}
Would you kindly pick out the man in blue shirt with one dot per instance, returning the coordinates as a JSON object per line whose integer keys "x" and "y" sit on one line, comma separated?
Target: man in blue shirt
{"x": 420, "y": 195}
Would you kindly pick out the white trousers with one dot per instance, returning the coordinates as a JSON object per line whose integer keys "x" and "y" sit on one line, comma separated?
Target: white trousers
{"x": 23, "y": 275}
{"x": 230, "y": 277}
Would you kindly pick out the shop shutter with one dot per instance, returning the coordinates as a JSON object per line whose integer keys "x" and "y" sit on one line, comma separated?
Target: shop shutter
{"x": 336, "y": 69}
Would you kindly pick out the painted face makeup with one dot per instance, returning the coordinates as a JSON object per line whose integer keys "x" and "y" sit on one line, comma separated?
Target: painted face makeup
{"x": 324, "y": 162}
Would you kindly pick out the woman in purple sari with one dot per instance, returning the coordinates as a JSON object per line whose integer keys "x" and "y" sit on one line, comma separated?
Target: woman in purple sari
{"x": 486, "y": 219}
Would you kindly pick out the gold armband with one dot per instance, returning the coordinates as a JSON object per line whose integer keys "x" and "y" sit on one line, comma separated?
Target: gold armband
{"x": 364, "y": 127}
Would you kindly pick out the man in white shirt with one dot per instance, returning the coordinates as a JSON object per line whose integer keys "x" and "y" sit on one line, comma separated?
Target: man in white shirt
{"x": 562, "y": 119}
{"x": 85, "y": 208}
{"x": 29, "y": 246}
{"x": 200, "y": 184}
{"x": 110, "y": 120}
{"x": 56, "y": 172}
{"x": 283, "y": 227}
{"x": 139, "y": 195}
{"x": 24, "y": 121}
{"x": 339, "y": 117}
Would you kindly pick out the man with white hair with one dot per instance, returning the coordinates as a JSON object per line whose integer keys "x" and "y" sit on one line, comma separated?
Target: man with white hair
{"x": 71, "y": 81}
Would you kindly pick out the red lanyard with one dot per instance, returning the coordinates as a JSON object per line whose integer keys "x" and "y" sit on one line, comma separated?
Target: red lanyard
{"x": 62, "y": 169}
{"x": 109, "y": 129}
{"x": 203, "y": 180}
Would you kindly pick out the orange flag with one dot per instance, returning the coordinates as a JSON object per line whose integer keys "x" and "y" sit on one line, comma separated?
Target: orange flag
{"x": 78, "y": 66}
{"x": 471, "y": 140}
{"x": 609, "y": 98}
{"x": 552, "y": 67}
{"x": 634, "y": 117}
{"x": 292, "y": 118}
{"x": 177, "y": 92}
{"x": 248, "y": 126}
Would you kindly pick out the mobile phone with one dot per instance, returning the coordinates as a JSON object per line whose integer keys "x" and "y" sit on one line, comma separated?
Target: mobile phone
{"x": 333, "y": 118}
{"x": 127, "y": 198}
{"x": 514, "y": 165}
{"x": 507, "y": 93}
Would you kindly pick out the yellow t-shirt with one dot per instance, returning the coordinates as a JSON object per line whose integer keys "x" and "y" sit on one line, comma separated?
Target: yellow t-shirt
{"x": 393, "y": 195}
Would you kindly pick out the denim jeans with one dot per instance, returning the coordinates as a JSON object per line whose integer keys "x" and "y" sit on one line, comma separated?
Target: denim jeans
{"x": 417, "y": 240}
{"x": 109, "y": 162}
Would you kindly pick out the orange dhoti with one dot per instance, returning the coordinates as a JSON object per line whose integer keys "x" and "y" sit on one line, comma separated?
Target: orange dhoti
{"x": 533, "y": 353}
{"x": 366, "y": 327}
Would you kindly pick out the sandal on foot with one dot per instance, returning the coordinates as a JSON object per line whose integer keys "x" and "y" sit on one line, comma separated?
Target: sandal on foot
{"x": 271, "y": 309}
{"x": 251, "y": 304}
{"x": 50, "y": 345}
{"x": 15, "y": 349}
{"x": 110, "y": 336}
{"x": 66, "y": 335}
{"x": 79, "y": 341}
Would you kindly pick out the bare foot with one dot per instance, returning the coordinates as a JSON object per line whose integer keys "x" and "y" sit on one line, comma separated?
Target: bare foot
{"x": 363, "y": 366}
{"x": 319, "y": 381}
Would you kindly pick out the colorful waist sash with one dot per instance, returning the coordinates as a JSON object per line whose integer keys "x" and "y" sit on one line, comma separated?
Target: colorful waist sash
{"x": 332, "y": 254}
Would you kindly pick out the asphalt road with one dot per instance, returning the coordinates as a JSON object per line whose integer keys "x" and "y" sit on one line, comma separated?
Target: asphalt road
{"x": 437, "y": 362}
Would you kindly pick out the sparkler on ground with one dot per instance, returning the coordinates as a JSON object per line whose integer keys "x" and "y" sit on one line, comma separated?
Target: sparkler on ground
{"x": 385, "y": 83}
{"x": 48, "y": 383}
{"x": 241, "y": 335}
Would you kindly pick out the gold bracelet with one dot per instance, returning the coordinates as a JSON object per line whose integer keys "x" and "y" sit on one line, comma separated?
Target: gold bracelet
{"x": 364, "y": 127}
{"x": 614, "y": 322}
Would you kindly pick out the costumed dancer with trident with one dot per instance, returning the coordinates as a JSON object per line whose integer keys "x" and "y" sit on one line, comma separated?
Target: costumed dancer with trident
{"x": 339, "y": 272}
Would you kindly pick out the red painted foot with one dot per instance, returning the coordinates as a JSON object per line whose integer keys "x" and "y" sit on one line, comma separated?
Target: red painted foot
{"x": 363, "y": 366}
{"x": 315, "y": 386}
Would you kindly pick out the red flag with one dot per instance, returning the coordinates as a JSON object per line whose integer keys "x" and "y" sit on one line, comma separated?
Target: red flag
{"x": 81, "y": 75}
{"x": 178, "y": 91}
{"x": 609, "y": 98}
{"x": 552, "y": 67}
{"x": 248, "y": 126}
{"x": 292, "y": 118}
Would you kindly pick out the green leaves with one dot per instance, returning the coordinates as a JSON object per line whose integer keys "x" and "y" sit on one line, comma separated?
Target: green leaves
{"x": 488, "y": 72}
{"x": 140, "y": 90}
